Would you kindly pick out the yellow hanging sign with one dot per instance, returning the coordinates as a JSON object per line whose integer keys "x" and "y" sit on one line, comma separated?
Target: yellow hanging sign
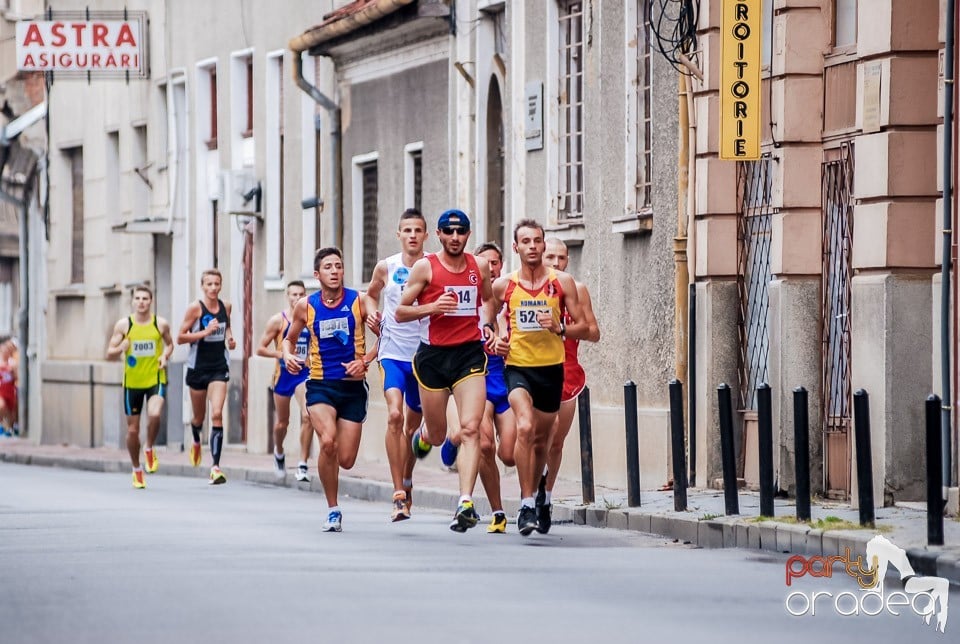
{"x": 740, "y": 45}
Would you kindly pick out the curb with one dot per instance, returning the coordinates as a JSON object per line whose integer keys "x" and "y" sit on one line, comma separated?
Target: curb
{"x": 718, "y": 532}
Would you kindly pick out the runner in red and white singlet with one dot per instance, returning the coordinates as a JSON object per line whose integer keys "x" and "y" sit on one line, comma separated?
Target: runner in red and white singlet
{"x": 450, "y": 293}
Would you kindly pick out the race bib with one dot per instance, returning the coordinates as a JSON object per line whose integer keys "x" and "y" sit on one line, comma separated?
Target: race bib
{"x": 143, "y": 348}
{"x": 301, "y": 350}
{"x": 466, "y": 300}
{"x": 338, "y": 328}
{"x": 527, "y": 319}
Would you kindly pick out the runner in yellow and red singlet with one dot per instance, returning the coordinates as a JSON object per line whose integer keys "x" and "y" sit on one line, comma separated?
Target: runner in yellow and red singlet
{"x": 537, "y": 298}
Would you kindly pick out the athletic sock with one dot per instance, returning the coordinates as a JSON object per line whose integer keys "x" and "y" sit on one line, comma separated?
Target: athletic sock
{"x": 407, "y": 482}
{"x": 196, "y": 432}
{"x": 335, "y": 508}
{"x": 216, "y": 444}
{"x": 465, "y": 497}
{"x": 528, "y": 502}
{"x": 549, "y": 496}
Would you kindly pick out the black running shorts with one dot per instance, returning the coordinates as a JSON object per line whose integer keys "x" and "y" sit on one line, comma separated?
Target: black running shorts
{"x": 545, "y": 385}
{"x": 439, "y": 368}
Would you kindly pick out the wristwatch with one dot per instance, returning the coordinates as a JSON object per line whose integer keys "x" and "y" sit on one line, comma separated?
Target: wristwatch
{"x": 563, "y": 330}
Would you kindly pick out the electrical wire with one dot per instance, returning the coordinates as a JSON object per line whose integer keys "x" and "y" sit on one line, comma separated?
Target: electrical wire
{"x": 673, "y": 25}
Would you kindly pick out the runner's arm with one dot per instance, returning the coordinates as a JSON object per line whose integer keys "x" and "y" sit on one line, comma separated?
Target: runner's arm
{"x": 297, "y": 322}
{"x": 578, "y": 329}
{"x": 228, "y": 334}
{"x": 593, "y": 327}
{"x": 371, "y": 298}
{"x": 118, "y": 341}
{"x": 168, "y": 345}
{"x": 420, "y": 276}
{"x": 186, "y": 336}
{"x": 267, "y": 347}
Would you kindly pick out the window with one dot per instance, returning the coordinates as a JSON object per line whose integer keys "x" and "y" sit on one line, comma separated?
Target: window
{"x": 369, "y": 187}
{"x": 74, "y": 158}
{"x": 364, "y": 222}
{"x": 275, "y": 165}
{"x": 215, "y": 209}
{"x": 248, "y": 106}
{"x": 140, "y": 182}
{"x": 844, "y": 23}
{"x": 212, "y": 138}
{"x": 570, "y": 196}
{"x": 413, "y": 175}
{"x": 644, "y": 182}
{"x": 112, "y": 160}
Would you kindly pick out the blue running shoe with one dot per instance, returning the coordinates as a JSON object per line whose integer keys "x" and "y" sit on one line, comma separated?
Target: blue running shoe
{"x": 334, "y": 521}
{"x": 448, "y": 453}
{"x": 420, "y": 447}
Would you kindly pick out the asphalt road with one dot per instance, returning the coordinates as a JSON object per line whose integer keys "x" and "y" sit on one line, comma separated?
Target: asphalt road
{"x": 86, "y": 558}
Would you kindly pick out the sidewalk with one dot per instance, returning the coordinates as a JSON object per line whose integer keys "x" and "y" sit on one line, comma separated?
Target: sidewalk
{"x": 703, "y": 524}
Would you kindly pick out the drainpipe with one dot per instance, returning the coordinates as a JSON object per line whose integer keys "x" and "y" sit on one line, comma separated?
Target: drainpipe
{"x": 947, "y": 169}
{"x": 335, "y": 143}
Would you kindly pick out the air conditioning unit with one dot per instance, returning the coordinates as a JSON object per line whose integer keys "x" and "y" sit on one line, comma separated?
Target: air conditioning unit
{"x": 241, "y": 193}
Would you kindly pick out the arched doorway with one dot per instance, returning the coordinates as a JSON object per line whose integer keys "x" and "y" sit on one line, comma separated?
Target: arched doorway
{"x": 495, "y": 164}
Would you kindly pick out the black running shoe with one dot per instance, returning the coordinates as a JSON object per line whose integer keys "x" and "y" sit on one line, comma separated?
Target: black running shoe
{"x": 465, "y": 518}
{"x": 541, "y": 492}
{"x": 527, "y": 520}
{"x": 544, "y": 520}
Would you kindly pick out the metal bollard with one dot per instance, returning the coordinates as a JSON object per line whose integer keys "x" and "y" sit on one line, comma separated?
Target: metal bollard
{"x": 730, "y": 495}
{"x": 765, "y": 444}
{"x": 676, "y": 446}
{"x": 586, "y": 445}
{"x": 801, "y": 446}
{"x": 633, "y": 443}
{"x": 861, "y": 426}
{"x": 934, "y": 473}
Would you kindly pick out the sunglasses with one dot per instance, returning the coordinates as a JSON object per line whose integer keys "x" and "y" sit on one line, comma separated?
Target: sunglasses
{"x": 450, "y": 230}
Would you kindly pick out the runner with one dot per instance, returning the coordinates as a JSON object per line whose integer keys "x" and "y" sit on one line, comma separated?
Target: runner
{"x": 536, "y": 298}
{"x": 287, "y": 385}
{"x": 398, "y": 342}
{"x": 144, "y": 340}
{"x": 336, "y": 389}
{"x": 452, "y": 291}
{"x": 574, "y": 380}
{"x": 206, "y": 328}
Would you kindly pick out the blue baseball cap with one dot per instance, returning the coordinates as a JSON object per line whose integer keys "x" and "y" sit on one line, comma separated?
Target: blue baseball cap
{"x": 454, "y": 217}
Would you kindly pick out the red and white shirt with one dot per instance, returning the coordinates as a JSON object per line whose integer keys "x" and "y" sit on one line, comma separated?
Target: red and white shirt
{"x": 462, "y": 325}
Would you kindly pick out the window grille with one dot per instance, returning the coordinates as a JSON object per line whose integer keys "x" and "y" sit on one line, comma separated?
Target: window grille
{"x": 370, "y": 186}
{"x": 570, "y": 202}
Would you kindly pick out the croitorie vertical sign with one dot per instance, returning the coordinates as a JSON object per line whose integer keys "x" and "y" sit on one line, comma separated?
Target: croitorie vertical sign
{"x": 740, "y": 48}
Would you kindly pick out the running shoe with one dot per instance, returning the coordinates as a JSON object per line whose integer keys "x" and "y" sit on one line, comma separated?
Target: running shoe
{"x": 541, "y": 491}
{"x": 465, "y": 518}
{"x": 544, "y": 518}
{"x": 195, "y": 455}
{"x": 527, "y": 520}
{"x": 420, "y": 447}
{"x": 334, "y": 522}
{"x": 216, "y": 476}
{"x": 498, "y": 524}
{"x": 138, "y": 481}
{"x": 152, "y": 462}
{"x": 409, "y": 492}
{"x": 302, "y": 475}
{"x": 400, "y": 510}
{"x": 448, "y": 454}
{"x": 279, "y": 465}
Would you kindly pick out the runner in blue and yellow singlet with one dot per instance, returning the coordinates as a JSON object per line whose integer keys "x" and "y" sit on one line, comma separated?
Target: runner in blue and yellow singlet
{"x": 337, "y": 363}
{"x": 145, "y": 343}
{"x": 287, "y": 385}
{"x": 536, "y": 299}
